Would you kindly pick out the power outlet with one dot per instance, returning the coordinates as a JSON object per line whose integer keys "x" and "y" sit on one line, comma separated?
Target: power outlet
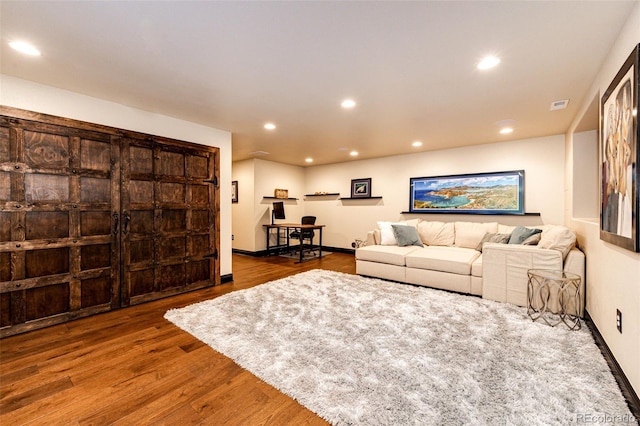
{"x": 233, "y": 237}
{"x": 619, "y": 320}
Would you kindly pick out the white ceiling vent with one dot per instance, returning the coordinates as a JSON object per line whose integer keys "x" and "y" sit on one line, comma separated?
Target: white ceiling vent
{"x": 258, "y": 153}
{"x": 556, "y": 105}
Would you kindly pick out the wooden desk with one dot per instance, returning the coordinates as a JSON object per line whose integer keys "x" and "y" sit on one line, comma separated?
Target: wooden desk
{"x": 288, "y": 227}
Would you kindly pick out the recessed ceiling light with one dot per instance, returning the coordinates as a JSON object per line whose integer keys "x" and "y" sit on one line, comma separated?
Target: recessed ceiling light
{"x": 308, "y": 160}
{"x": 506, "y": 130}
{"x": 348, "y": 103}
{"x": 416, "y": 144}
{"x": 24, "y": 47}
{"x": 270, "y": 126}
{"x": 488, "y": 62}
{"x": 353, "y": 153}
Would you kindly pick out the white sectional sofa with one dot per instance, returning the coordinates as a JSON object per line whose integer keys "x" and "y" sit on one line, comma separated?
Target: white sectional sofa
{"x": 469, "y": 257}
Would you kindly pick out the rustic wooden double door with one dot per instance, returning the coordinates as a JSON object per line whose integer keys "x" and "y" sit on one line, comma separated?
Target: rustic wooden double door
{"x": 94, "y": 218}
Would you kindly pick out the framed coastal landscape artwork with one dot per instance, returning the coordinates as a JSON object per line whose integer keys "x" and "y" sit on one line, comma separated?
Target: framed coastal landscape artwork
{"x": 479, "y": 193}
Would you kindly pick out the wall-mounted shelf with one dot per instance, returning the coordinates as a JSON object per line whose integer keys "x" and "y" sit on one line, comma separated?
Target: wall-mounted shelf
{"x": 482, "y": 214}
{"x": 360, "y": 198}
{"x": 276, "y": 198}
{"x": 328, "y": 194}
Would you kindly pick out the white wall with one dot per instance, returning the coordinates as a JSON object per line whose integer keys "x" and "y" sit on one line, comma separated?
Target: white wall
{"x": 613, "y": 273}
{"x": 542, "y": 159}
{"x": 49, "y": 100}
{"x": 254, "y": 210}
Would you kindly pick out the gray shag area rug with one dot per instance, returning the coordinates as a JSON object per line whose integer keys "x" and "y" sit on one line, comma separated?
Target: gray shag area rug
{"x": 363, "y": 351}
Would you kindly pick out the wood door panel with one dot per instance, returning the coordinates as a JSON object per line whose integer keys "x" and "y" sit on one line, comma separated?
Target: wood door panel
{"x": 173, "y": 220}
{"x": 4, "y": 144}
{"x": 95, "y": 190}
{"x": 165, "y": 209}
{"x": 47, "y": 301}
{"x": 95, "y": 291}
{"x": 57, "y": 222}
{"x": 95, "y": 223}
{"x": 44, "y": 150}
{"x": 46, "y": 188}
{"x": 5, "y": 186}
{"x": 95, "y": 257}
{"x": 47, "y": 225}
{"x": 94, "y": 218}
{"x": 39, "y": 263}
{"x": 95, "y": 155}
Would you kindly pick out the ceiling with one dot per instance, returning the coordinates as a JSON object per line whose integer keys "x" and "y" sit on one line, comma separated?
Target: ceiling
{"x": 410, "y": 67}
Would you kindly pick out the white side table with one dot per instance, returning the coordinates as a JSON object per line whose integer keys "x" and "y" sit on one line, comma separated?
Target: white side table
{"x": 555, "y": 297}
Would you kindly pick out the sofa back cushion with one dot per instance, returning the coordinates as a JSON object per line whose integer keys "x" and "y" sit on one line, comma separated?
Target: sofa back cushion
{"x": 557, "y": 238}
{"x": 434, "y": 233}
{"x": 469, "y": 234}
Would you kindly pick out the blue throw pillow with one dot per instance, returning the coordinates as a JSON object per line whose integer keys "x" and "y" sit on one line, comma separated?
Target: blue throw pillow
{"x": 521, "y": 233}
{"x": 406, "y": 235}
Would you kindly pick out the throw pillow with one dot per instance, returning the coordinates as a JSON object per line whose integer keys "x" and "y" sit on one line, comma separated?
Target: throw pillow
{"x": 532, "y": 240}
{"x": 521, "y": 233}
{"x": 386, "y": 234}
{"x": 406, "y": 235}
{"x": 493, "y": 238}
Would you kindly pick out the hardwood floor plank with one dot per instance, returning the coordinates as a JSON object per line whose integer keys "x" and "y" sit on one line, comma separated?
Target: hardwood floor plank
{"x": 132, "y": 366}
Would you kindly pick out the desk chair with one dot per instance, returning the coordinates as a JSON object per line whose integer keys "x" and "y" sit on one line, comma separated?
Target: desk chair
{"x": 305, "y": 234}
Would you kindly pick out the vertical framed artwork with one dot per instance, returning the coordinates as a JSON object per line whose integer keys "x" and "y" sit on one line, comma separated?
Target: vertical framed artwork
{"x": 619, "y": 157}
{"x": 234, "y": 191}
{"x": 361, "y": 188}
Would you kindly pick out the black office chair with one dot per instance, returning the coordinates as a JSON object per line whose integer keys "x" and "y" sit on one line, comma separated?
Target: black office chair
{"x": 305, "y": 234}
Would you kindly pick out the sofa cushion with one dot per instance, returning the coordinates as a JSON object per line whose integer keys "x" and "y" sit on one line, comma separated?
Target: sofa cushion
{"x": 406, "y": 235}
{"x": 392, "y": 255}
{"x": 558, "y": 238}
{"x": 505, "y": 229}
{"x": 386, "y": 231}
{"x": 521, "y": 233}
{"x": 456, "y": 260}
{"x": 476, "y": 268}
{"x": 493, "y": 238}
{"x": 434, "y": 233}
{"x": 469, "y": 234}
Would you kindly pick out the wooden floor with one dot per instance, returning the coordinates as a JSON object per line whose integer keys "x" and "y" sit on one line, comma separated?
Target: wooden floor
{"x": 133, "y": 367}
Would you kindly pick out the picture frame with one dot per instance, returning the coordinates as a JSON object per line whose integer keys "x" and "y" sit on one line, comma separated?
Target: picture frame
{"x": 234, "y": 191}
{"x": 476, "y": 193}
{"x": 361, "y": 188}
{"x": 619, "y": 157}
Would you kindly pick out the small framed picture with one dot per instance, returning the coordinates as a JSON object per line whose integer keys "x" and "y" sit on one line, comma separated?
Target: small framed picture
{"x": 361, "y": 188}
{"x": 234, "y": 191}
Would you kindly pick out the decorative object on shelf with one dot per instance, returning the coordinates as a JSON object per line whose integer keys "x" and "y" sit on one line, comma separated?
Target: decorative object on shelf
{"x": 281, "y": 193}
{"x": 361, "y": 188}
{"x": 478, "y": 193}
{"x": 234, "y": 191}
{"x": 620, "y": 158}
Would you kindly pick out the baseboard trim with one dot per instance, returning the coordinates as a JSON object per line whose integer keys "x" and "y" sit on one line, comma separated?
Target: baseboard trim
{"x": 625, "y": 386}
{"x": 226, "y": 278}
{"x": 262, "y": 253}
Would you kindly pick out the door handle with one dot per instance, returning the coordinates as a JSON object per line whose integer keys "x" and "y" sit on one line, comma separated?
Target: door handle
{"x": 115, "y": 223}
{"x": 125, "y": 222}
